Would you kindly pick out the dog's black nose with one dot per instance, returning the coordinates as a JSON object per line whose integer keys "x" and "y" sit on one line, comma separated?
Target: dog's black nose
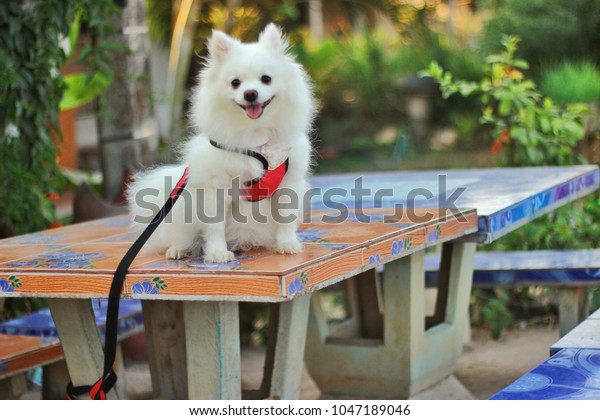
{"x": 250, "y": 95}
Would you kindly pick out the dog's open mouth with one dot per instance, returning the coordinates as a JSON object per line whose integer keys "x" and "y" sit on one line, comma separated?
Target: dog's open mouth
{"x": 254, "y": 111}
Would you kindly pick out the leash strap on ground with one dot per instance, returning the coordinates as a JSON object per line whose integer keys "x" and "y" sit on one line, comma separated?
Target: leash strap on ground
{"x": 100, "y": 388}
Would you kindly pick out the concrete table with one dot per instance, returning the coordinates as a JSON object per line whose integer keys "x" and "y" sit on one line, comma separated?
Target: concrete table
{"x": 387, "y": 347}
{"x": 190, "y": 307}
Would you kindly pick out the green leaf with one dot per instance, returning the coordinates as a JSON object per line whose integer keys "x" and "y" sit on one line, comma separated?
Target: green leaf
{"x": 159, "y": 283}
{"x": 505, "y": 107}
{"x": 434, "y": 70}
{"x": 79, "y": 92}
{"x": 74, "y": 29}
{"x": 85, "y": 51}
{"x": 468, "y": 88}
{"x": 519, "y": 134}
{"x": 304, "y": 278}
{"x": 545, "y": 124}
{"x": 494, "y": 58}
{"x": 521, "y": 64}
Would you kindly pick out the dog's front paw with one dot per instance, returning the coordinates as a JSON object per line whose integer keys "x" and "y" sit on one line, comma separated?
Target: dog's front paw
{"x": 219, "y": 256}
{"x": 176, "y": 253}
{"x": 290, "y": 246}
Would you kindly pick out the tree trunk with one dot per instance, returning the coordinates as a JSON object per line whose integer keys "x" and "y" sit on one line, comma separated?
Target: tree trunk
{"x": 127, "y": 129}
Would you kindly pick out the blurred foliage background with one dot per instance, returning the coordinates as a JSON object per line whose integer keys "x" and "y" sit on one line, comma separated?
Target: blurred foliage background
{"x": 376, "y": 113}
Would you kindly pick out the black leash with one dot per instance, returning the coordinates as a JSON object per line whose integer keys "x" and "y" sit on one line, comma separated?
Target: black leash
{"x": 98, "y": 390}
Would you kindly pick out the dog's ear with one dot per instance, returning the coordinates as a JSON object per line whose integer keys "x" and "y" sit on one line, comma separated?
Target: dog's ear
{"x": 272, "y": 38}
{"x": 219, "y": 45}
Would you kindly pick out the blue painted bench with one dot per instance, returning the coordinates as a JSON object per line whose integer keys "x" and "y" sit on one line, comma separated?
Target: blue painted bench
{"x": 32, "y": 341}
{"x": 571, "y": 373}
{"x": 572, "y": 272}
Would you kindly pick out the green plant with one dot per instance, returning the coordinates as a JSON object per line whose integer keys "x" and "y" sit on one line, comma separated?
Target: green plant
{"x": 570, "y": 82}
{"x": 529, "y": 127}
{"x": 594, "y": 299}
{"x": 551, "y": 30}
{"x": 82, "y": 88}
{"x": 496, "y": 313}
{"x": 159, "y": 14}
{"x": 34, "y": 43}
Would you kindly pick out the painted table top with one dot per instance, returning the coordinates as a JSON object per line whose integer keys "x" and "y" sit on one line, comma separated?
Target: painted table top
{"x": 585, "y": 336}
{"x": 505, "y": 198}
{"x": 79, "y": 260}
{"x": 571, "y": 374}
{"x": 20, "y": 353}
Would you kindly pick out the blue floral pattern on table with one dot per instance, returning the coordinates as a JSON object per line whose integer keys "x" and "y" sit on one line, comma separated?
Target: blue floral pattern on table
{"x": 145, "y": 287}
{"x": 237, "y": 264}
{"x": 370, "y": 217}
{"x": 311, "y": 235}
{"x": 199, "y": 264}
{"x": 10, "y": 284}
{"x": 375, "y": 259}
{"x": 36, "y": 238}
{"x": 397, "y": 247}
{"x": 149, "y": 287}
{"x": 334, "y": 247}
{"x": 168, "y": 264}
{"x": 571, "y": 374}
{"x": 111, "y": 222}
{"x": 5, "y": 286}
{"x": 63, "y": 259}
{"x": 531, "y": 207}
{"x": 367, "y": 217}
{"x": 297, "y": 285}
{"x": 434, "y": 234}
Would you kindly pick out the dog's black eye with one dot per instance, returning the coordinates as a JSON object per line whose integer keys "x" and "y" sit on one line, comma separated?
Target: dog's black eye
{"x": 265, "y": 79}
{"x": 235, "y": 83}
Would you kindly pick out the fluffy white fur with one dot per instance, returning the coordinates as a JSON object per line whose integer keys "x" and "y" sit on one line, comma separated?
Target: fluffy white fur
{"x": 217, "y": 114}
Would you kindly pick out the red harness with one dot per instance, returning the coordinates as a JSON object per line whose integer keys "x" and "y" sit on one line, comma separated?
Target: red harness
{"x": 264, "y": 186}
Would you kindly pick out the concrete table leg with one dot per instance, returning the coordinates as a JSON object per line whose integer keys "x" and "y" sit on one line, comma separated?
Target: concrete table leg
{"x": 76, "y": 326}
{"x": 212, "y": 340}
{"x": 289, "y": 349}
{"x": 165, "y": 337}
{"x": 408, "y": 358}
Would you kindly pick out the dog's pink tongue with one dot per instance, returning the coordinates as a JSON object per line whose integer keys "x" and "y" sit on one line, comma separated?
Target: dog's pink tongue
{"x": 253, "y": 111}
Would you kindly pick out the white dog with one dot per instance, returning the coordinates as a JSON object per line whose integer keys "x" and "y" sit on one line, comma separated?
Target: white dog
{"x": 252, "y": 110}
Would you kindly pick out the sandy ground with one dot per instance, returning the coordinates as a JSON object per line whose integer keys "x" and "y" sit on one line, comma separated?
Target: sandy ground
{"x": 486, "y": 367}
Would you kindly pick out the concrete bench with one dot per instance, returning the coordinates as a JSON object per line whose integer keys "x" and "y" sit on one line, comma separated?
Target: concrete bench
{"x": 572, "y": 272}
{"x": 32, "y": 341}
{"x": 571, "y": 373}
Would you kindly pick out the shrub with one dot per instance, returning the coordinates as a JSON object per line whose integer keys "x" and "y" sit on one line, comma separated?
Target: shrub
{"x": 528, "y": 127}
{"x": 33, "y": 41}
